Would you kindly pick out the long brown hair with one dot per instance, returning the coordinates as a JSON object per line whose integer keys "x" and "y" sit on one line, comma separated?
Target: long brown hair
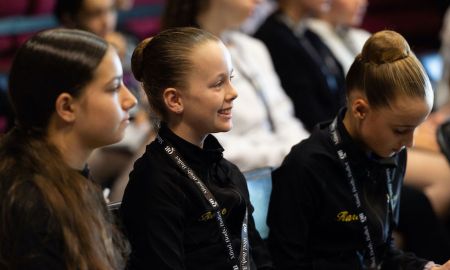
{"x": 50, "y": 63}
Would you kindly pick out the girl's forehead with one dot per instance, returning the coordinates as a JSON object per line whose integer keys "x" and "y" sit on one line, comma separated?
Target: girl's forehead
{"x": 406, "y": 110}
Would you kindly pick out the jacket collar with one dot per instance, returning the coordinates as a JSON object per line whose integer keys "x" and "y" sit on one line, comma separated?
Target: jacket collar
{"x": 211, "y": 152}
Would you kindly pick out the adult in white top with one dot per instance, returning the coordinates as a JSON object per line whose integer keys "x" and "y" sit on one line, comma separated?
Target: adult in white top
{"x": 264, "y": 125}
{"x": 338, "y": 29}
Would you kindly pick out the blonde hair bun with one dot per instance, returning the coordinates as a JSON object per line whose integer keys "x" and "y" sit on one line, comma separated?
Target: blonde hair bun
{"x": 385, "y": 47}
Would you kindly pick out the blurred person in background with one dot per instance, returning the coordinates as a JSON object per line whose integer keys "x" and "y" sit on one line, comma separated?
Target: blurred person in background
{"x": 100, "y": 17}
{"x": 309, "y": 72}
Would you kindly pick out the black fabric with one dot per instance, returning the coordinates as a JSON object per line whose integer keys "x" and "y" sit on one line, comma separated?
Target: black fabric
{"x": 443, "y": 138}
{"x": 6, "y": 111}
{"x": 169, "y": 223}
{"x": 312, "y": 215}
{"x": 422, "y": 232}
{"x": 309, "y": 73}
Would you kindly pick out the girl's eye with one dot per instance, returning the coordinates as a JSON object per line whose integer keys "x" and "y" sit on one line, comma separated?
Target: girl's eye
{"x": 401, "y": 131}
{"x": 218, "y": 84}
{"x": 115, "y": 88}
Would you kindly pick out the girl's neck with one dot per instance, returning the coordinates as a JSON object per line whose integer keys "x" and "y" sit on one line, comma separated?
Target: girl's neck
{"x": 188, "y": 133}
{"x": 351, "y": 125}
{"x": 328, "y": 17}
{"x": 293, "y": 11}
{"x": 72, "y": 151}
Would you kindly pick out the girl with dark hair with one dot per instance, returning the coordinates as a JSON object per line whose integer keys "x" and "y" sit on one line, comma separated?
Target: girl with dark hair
{"x": 185, "y": 206}
{"x": 109, "y": 164}
{"x": 66, "y": 90}
{"x": 335, "y": 198}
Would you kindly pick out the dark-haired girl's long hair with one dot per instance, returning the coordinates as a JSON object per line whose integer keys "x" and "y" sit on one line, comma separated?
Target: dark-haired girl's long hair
{"x": 33, "y": 175}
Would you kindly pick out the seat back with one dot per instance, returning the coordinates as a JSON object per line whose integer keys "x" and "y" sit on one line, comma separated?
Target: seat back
{"x": 259, "y": 183}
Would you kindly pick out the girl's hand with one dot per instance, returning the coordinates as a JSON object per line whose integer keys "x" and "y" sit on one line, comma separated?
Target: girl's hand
{"x": 446, "y": 266}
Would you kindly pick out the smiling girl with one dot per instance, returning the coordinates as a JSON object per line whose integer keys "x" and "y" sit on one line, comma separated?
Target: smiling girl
{"x": 185, "y": 206}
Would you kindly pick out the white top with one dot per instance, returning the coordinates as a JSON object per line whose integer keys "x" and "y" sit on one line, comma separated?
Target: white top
{"x": 345, "y": 44}
{"x": 251, "y": 143}
{"x": 442, "y": 94}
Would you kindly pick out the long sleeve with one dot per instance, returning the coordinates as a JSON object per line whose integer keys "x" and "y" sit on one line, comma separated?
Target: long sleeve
{"x": 291, "y": 213}
{"x": 252, "y": 142}
{"x": 397, "y": 259}
{"x": 154, "y": 220}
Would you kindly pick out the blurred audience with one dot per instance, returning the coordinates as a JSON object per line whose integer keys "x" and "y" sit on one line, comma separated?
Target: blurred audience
{"x": 308, "y": 70}
{"x": 339, "y": 29}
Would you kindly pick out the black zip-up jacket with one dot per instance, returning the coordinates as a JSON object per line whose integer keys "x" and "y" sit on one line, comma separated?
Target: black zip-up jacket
{"x": 169, "y": 223}
{"x": 313, "y": 217}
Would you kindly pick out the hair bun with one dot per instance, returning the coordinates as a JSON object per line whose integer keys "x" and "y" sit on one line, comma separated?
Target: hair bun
{"x": 385, "y": 47}
{"x": 137, "y": 60}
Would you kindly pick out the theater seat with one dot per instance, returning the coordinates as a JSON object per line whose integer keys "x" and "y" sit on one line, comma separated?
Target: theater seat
{"x": 259, "y": 183}
{"x": 10, "y": 8}
{"x": 42, "y": 7}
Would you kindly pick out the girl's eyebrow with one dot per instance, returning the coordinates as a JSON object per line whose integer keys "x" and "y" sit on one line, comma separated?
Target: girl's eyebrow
{"x": 120, "y": 77}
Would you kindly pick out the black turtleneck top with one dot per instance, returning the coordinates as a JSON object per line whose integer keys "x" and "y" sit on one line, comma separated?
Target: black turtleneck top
{"x": 169, "y": 223}
{"x": 313, "y": 218}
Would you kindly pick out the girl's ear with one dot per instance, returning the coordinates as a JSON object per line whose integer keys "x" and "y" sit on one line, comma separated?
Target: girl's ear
{"x": 64, "y": 107}
{"x": 173, "y": 100}
{"x": 360, "y": 108}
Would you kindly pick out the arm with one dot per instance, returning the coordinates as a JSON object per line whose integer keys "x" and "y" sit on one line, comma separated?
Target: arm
{"x": 430, "y": 172}
{"x": 154, "y": 219}
{"x": 290, "y": 216}
{"x": 397, "y": 259}
{"x": 433, "y": 266}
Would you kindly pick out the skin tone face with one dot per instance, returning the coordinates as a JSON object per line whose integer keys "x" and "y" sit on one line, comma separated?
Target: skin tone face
{"x": 315, "y": 6}
{"x": 346, "y": 12}
{"x": 386, "y": 130}
{"x": 98, "y": 16}
{"x": 222, "y": 15}
{"x": 102, "y": 111}
{"x": 297, "y": 10}
{"x": 204, "y": 106}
